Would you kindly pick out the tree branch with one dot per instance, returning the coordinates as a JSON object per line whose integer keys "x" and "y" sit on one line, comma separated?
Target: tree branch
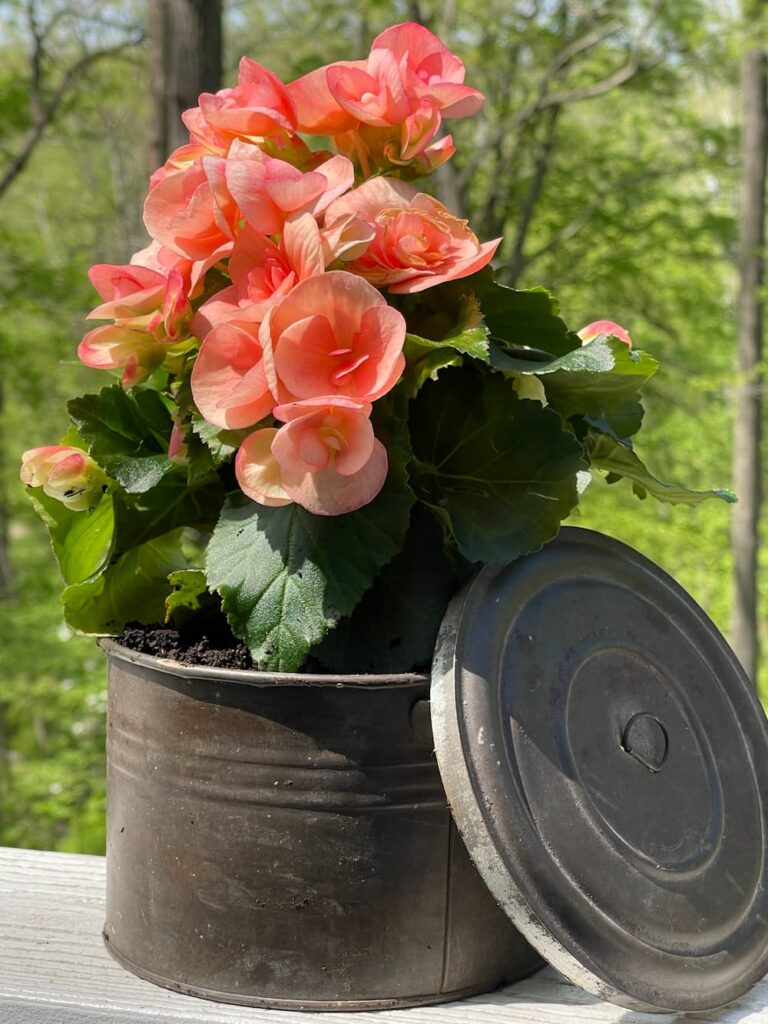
{"x": 43, "y": 113}
{"x": 585, "y": 42}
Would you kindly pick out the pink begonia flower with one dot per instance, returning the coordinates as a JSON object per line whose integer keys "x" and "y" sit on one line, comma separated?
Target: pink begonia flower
{"x": 191, "y": 211}
{"x": 269, "y": 191}
{"x": 136, "y": 352}
{"x": 418, "y": 242}
{"x": 346, "y": 239}
{"x": 329, "y": 493}
{"x": 333, "y": 334}
{"x": 317, "y": 109}
{"x": 434, "y": 72}
{"x": 151, "y": 313}
{"x": 323, "y": 432}
{"x": 409, "y": 82}
{"x": 65, "y": 473}
{"x": 325, "y": 458}
{"x": 202, "y": 135}
{"x": 263, "y": 273}
{"x": 258, "y": 106}
{"x": 147, "y": 298}
{"x": 159, "y": 257}
{"x": 330, "y": 462}
{"x": 591, "y": 331}
{"x": 257, "y": 470}
{"x": 229, "y": 384}
{"x": 181, "y": 159}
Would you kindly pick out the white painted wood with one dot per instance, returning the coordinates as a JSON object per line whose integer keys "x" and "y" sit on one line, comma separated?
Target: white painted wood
{"x": 55, "y": 970}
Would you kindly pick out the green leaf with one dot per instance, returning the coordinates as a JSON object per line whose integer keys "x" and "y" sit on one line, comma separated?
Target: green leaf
{"x": 171, "y": 503}
{"x": 82, "y": 541}
{"x": 426, "y": 365}
{"x": 126, "y": 433}
{"x": 473, "y": 341}
{"x": 499, "y": 469}
{"x": 425, "y": 357}
{"x": 619, "y": 461}
{"x": 133, "y": 588}
{"x": 222, "y": 444}
{"x": 600, "y": 380}
{"x": 395, "y": 626}
{"x": 528, "y": 318}
{"x": 286, "y": 577}
{"x": 189, "y": 594}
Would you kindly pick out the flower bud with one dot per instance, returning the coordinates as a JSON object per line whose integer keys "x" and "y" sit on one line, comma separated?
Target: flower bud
{"x": 65, "y": 473}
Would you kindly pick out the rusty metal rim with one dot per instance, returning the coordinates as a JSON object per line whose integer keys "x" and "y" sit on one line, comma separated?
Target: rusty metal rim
{"x": 306, "y": 1005}
{"x": 252, "y": 677}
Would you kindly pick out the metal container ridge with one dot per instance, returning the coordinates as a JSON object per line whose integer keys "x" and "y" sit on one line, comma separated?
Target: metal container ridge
{"x": 286, "y": 841}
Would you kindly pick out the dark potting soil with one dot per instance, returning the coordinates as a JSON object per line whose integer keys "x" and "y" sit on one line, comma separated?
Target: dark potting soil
{"x": 217, "y": 647}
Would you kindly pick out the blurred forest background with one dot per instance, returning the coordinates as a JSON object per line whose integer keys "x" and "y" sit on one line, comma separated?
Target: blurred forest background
{"x": 608, "y": 154}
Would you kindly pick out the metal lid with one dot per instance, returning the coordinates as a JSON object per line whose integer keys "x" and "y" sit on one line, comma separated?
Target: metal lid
{"x": 606, "y": 761}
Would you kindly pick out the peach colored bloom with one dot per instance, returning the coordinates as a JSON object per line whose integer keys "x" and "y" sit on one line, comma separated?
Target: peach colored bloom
{"x": 229, "y": 384}
{"x": 330, "y": 462}
{"x": 115, "y": 347}
{"x": 591, "y": 331}
{"x": 181, "y": 159}
{"x": 317, "y": 109}
{"x": 333, "y": 334}
{"x": 65, "y": 473}
{"x": 324, "y": 432}
{"x": 330, "y": 493}
{"x": 269, "y": 191}
{"x": 258, "y": 471}
{"x": 433, "y": 72}
{"x": 258, "y": 106}
{"x": 151, "y": 313}
{"x": 418, "y": 242}
{"x": 325, "y": 458}
{"x": 160, "y": 258}
{"x": 408, "y": 83}
{"x": 263, "y": 273}
{"x": 191, "y": 211}
{"x": 346, "y": 239}
{"x": 149, "y": 300}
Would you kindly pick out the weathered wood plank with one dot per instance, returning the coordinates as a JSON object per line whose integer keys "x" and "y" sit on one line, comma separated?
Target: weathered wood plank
{"x": 55, "y": 970}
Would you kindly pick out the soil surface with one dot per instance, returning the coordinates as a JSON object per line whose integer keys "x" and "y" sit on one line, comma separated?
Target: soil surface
{"x": 217, "y": 647}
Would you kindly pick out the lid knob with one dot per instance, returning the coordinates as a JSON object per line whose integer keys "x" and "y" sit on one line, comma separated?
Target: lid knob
{"x": 645, "y": 739}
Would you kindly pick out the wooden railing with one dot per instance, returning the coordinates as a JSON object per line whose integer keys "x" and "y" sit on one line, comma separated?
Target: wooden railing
{"x": 54, "y": 970}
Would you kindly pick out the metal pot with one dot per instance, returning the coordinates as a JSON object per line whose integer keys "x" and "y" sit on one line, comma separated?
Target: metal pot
{"x": 285, "y": 841}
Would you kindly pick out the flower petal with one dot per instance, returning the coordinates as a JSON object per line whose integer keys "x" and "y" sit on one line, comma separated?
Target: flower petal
{"x": 329, "y": 493}
{"x": 228, "y": 379}
{"x": 317, "y": 110}
{"x": 257, "y": 470}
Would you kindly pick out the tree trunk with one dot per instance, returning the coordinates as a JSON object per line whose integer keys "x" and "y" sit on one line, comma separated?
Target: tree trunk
{"x": 748, "y": 422}
{"x": 185, "y": 60}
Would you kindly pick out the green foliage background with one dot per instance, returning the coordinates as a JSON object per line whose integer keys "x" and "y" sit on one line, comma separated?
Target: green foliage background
{"x": 634, "y": 220}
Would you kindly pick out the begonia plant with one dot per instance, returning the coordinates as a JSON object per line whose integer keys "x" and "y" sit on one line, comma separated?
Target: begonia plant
{"x": 327, "y": 410}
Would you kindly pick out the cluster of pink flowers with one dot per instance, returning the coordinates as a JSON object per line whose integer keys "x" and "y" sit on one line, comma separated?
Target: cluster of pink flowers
{"x": 273, "y": 256}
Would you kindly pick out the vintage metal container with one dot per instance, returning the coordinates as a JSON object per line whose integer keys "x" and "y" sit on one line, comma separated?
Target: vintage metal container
{"x": 285, "y": 841}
